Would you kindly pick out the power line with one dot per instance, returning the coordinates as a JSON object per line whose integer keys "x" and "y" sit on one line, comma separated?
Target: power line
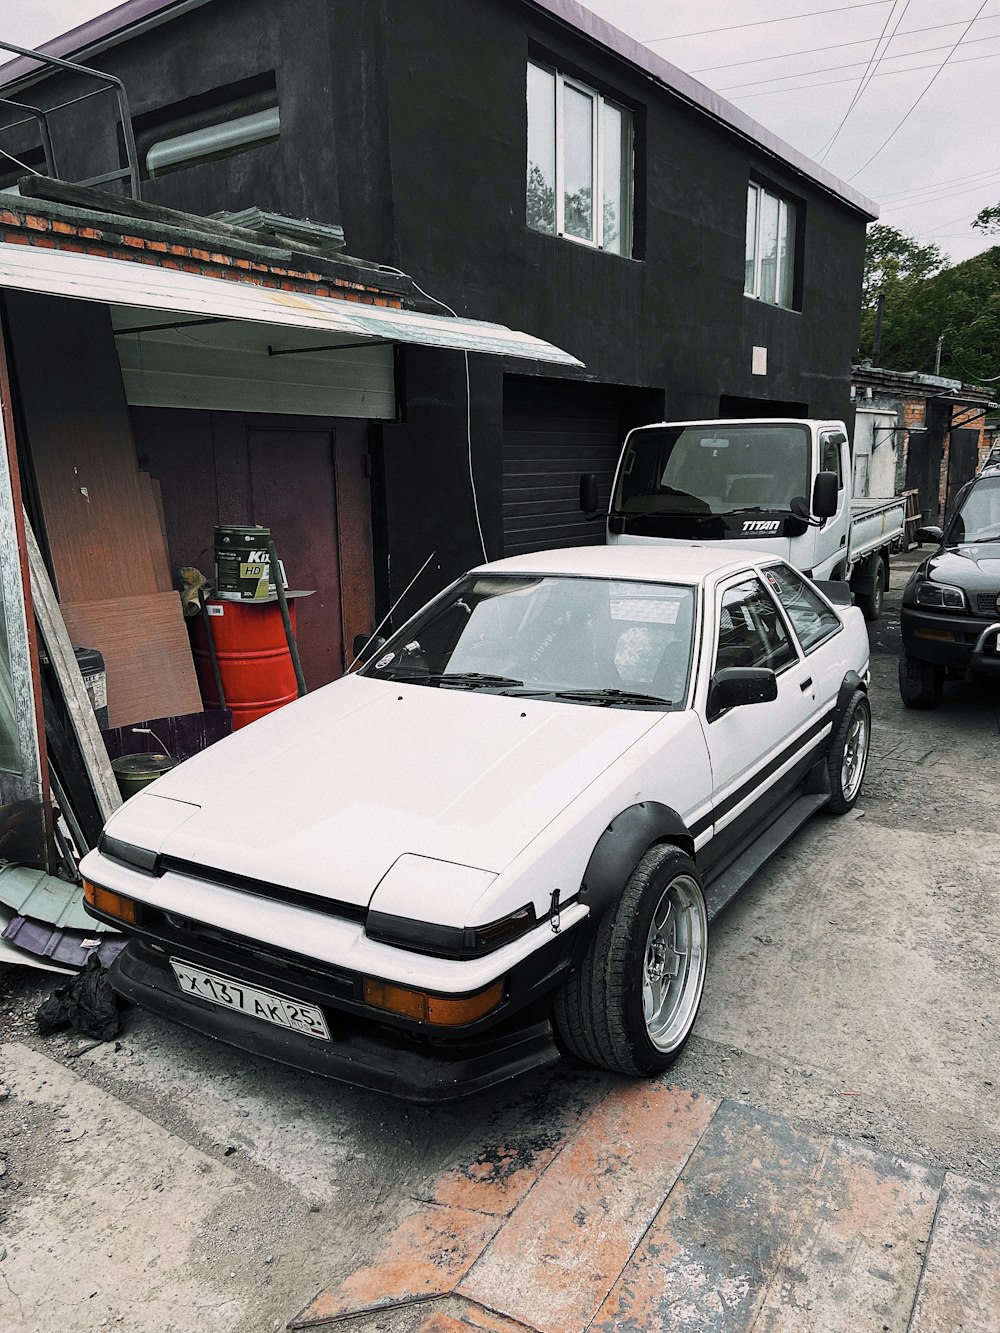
{"x": 886, "y": 74}
{"x": 835, "y": 46}
{"x": 759, "y": 23}
{"x": 854, "y": 64}
{"x": 920, "y": 98}
{"x": 874, "y": 60}
{"x": 937, "y": 199}
{"x": 933, "y": 185}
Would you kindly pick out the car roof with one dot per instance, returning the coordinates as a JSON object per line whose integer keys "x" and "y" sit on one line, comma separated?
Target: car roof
{"x": 689, "y": 564}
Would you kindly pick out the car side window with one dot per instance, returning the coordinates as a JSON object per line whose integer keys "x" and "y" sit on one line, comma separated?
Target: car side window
{"x": 751, "y": 632}
{"x": 811, "y": 618}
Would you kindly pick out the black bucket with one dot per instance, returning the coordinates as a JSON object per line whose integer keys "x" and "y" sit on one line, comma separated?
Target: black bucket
{"x": 242, "y": 567}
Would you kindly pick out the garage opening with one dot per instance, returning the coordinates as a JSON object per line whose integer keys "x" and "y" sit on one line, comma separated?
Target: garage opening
{"x": 553, "y": 430}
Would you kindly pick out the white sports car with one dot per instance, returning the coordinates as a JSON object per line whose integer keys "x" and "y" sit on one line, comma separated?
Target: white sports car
{"x": 514, "y": 822}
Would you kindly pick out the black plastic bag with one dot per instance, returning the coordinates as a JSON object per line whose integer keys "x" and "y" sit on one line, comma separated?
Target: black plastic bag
{"x": 86, "y": 1003}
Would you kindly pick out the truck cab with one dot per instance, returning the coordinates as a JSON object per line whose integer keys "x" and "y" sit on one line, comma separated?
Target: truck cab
{"x": 777, "y": 485}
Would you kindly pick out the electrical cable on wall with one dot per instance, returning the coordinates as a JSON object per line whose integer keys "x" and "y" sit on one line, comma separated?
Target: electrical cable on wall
{"x": 468, "y": 404}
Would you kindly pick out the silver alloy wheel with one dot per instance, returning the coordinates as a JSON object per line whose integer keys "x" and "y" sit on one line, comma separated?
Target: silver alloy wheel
{"x": 855, "y": 753}
{"x": 674, "y": 963}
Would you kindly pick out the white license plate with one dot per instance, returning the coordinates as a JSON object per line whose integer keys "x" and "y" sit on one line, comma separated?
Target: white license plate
{"x": 232, "y": 994}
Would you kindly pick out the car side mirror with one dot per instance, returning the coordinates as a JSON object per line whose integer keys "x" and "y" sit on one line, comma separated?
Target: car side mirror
{"x": 932, "y": 533}
{"x": 733, "y": 687}
{"x": 589, "y": 502}
{"x": 825, "y": 492}
{"x": 366, "y": 644}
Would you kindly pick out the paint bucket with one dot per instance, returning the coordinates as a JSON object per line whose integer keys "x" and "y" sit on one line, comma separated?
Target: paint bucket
{"x": 242, "y": 565}
{"x": 135, "y": 771}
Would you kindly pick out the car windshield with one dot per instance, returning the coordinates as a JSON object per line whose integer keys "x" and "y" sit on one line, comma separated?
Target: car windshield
{"x": 978, "y": 517}
{"x": 721, "y": 468}
{"x": 581, "y": 640}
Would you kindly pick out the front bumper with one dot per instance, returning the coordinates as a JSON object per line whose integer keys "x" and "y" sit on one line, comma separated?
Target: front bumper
{"x": 972, "y": 647}
{"x": 362, "y": 1052}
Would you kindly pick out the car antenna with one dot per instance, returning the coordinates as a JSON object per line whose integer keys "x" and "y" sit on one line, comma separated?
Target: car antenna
{"x": 392, "y": 608}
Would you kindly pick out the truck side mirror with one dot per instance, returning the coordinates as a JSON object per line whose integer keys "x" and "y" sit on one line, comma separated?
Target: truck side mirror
{"x": 825, "y": 490}
{"x": 589, "y": 502}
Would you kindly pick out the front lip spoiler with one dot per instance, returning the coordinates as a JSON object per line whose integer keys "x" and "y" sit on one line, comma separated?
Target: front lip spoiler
{"x": 362, "y": 1053}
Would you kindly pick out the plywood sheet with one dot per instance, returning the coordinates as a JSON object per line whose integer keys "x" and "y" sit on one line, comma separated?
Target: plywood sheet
{"x": 98, "y": 520}
{"x": 147, "y": 654}
{"x": 156, "y": 527}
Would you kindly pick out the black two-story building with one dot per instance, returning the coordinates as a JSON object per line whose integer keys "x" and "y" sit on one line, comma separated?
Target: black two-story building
{"x": 522, "y": 162}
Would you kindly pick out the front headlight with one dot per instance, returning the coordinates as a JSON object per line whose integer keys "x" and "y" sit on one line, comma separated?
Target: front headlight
{"x": 449, "y": 941}
{"x": 942, "y": 595}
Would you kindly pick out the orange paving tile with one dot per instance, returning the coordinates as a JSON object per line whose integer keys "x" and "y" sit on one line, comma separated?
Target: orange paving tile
{"x": 426, "y": 1256}
{"x": 494, "y": 1177}
{"x": 960, "y": 1288}
{"x": 557, "y": 1258}
{"x": 772, "y": 1228}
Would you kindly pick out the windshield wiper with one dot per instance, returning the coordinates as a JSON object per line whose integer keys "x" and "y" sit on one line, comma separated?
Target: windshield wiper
{"x": 759, "y": 509}
{"x": 605, "y": 698}
{"x": 469, "y": 679}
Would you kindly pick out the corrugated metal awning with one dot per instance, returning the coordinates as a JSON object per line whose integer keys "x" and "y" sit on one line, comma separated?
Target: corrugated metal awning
{"x": 117, "y": 282}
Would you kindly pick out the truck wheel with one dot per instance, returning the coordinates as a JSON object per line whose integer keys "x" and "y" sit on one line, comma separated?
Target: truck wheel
{"x": 631, "y": 1004}
{"x": 871, "y": 602}
{"x": 848, "y": 754}
{"x": 921, "y": 684}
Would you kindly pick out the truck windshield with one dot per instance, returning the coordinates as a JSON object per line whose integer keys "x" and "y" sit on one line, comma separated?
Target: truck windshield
{"x": 713, "y": 468}
{"x": 613, "y": 642}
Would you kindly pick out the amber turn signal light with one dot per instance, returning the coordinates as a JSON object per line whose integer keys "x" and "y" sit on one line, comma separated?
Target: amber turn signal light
{"x": 113, "y": 904}
{"x": 437, "y": 1009}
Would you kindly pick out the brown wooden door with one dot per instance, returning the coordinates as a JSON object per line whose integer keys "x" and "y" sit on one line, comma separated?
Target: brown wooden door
{"x": 292, "y": 492}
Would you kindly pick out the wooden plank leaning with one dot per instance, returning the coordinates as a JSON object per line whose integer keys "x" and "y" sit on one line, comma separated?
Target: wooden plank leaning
{"x": 64, "y": 663}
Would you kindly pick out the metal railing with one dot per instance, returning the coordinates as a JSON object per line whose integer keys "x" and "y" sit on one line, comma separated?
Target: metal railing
{"x": 129, "y": 172}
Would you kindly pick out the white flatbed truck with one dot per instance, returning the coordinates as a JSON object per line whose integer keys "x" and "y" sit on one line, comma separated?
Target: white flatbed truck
{"x": 778, "y": 485}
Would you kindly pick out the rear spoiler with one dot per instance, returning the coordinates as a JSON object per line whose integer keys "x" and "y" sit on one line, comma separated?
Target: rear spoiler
{"x": 835, "y": 591}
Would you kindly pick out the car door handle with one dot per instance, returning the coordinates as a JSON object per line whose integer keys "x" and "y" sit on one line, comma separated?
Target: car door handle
{"x": 806, "y": 684}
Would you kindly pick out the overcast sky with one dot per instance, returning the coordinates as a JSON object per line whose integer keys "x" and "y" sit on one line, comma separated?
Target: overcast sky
{"x": 919, "y": 76}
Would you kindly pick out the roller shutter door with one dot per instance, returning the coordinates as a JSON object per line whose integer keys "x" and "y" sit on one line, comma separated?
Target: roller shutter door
{"x": 551, "y": 435}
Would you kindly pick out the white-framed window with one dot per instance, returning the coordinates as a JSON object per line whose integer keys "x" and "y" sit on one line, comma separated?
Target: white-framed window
{"x": 770, "y": 247}
{"x": 579, "y": 151}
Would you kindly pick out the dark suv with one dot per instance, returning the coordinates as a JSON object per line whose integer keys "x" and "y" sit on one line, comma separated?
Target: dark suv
{"x": 951, "y": 605}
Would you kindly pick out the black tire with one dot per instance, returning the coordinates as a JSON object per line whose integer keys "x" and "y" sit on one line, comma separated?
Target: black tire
{"x": 847, "y": 757}
{"x": 921, "y": 684}
{"x": 600, "y": 1014}
{"x": 871, "y": 603}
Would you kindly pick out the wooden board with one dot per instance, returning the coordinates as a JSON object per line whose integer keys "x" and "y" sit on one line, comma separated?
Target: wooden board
{"x": 146, "y": 651}
{"x": 100, "y": 521}
{"x": 73, "y": 692}
{"x": 152, "y": 508}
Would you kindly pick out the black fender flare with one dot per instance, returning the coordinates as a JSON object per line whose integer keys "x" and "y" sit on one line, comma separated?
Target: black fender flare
{"x": 849, "y": 686}
{"x": 619, "y": 850}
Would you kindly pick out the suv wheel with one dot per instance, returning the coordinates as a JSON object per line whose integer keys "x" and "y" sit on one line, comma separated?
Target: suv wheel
{"x": 921, "y": 684}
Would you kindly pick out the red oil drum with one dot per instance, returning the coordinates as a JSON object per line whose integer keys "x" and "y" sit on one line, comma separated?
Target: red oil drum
{"x": 254, "y": 661}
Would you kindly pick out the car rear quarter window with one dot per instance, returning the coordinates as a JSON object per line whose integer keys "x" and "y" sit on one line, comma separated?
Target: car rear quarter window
{"x": 811, "y": 618}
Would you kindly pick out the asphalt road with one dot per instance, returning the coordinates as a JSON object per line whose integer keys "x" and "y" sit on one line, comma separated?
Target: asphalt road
{"x": 164, "y": 1184}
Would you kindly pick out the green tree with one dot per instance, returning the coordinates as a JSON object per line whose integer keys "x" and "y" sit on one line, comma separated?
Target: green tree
{"x": 894, "y": 266}
{"x": 960, "y": 301}
{"x": 988, "y": 220}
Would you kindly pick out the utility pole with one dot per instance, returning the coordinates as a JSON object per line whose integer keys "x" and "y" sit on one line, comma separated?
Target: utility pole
{"x": 937, "y": 355}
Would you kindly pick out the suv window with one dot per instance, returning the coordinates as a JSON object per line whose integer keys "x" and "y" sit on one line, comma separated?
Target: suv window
{"x": 750, "y": 630}
{"x": 811, "y": 618}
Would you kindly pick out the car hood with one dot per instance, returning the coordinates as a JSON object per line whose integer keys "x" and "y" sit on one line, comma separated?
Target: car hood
{"x": 972, "y": 564}
{"x": 326, "y": 794}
